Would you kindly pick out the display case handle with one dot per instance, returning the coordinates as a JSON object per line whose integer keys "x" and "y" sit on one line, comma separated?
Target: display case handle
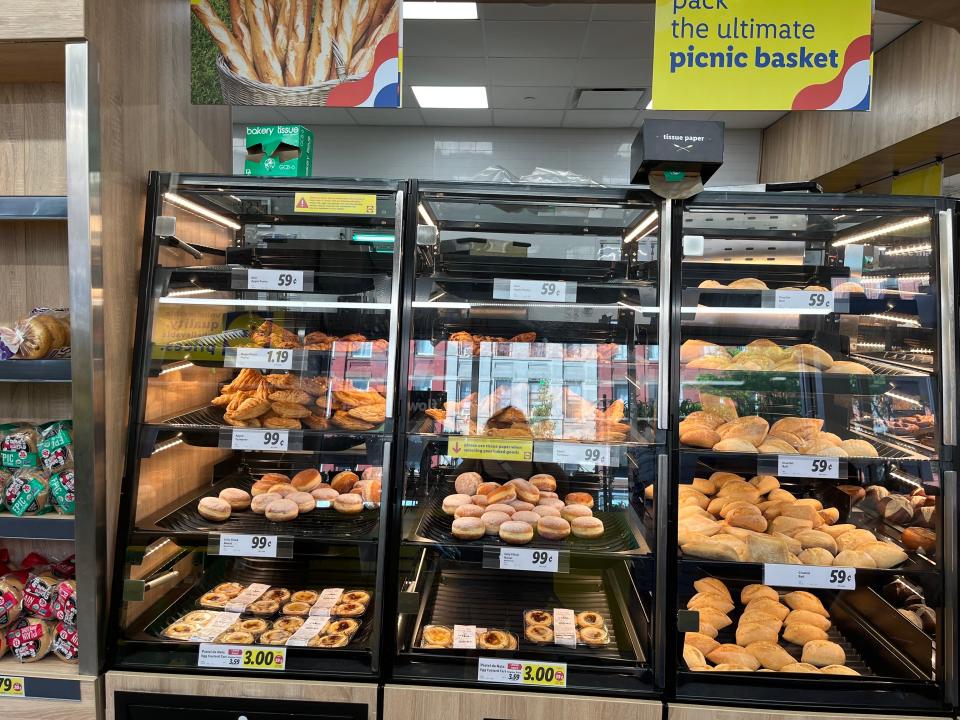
{"x": 382, "y": 529}
{"x": 948, "y": 555}
{"x": 661, "y": 502}
{"x": 663, "y": 331}
{"x": 948, "y": 315}
{"x": 395, "y": 305}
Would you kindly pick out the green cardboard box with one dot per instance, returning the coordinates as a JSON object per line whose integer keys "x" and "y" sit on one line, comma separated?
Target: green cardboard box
{"x": 279, "y": 151}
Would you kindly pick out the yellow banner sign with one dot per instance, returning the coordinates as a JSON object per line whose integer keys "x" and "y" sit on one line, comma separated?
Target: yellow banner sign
{"x": 335, "y": 203}
{"x": 490, "y": 448}
{"x": 763, "y": 55}
{"x": 273, "y": 659}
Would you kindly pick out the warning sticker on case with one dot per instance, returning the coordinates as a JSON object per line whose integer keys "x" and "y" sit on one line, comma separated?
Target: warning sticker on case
{"x": 335, "y": 203}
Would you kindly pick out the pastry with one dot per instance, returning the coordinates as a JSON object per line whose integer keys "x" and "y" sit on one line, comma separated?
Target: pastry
{"x": 283, "y": 490}
{"x": 344, "y": 626}
{"x": 801, "y": 633}
{"x": 703, "y": 643}
{"x": 348, "y": 609}
{"x": 587, "y": 527}
{"x": 502, "y": 494}
{"x": 807, "y": 617}
{"x": 198, "y": 617}
{"x": 854, "y": 558}
{"x": 838, "y": 670}
{"x": 768, "y": 606}
{"x": 734, "y": 655}
{"x": 348, "y": 504}
{"x": 550, "y": 528}
{"x": 752, "y": 592}
{"x": 468, "y": 510}
{"x": 501, "y": 507}
{"x": 260, "y": 502}
{"x": 709, "y": 599}
{"x": 181, "y": 630}
{"x": 255, "y": 626}
{"x": 307, "y": 480}
{"x": 492, "y": 520}
{"x": 274, "y": 637}
{"x": 919, "y": 538}
{"x": 543, "y": 481}
{"x": 370, "y": 490}
{"x": 214, "y": 509}
{"x": 298, "y": 609}
{"x": 282, "y": 510}
{"x": 235, "y": 637}
{"x": 262, "y": 487}
{"x": 750, "y": 632}
{"x": 214, "y": 600}
{"x": 769, "y": 654}
{"x": 579, "y": 498}
{"x": 493, "y": 640}
{"x": 527, "y": 516}
{"x": 237, "y": 498}
{"x": 230, "y": 589}
{"x": 281, "y": 595}
{"x": 305, "y": 596}
{"x": 344, "y": 481}
{"x": 572, "y": 512}
{"x": 485, "y": 488}
{"x": 467, "y": 483}
{"x": 452, "y": 502}
{"x": 468, "y": 528}
{"x": 288, "y": 623}
{"x": 823, "y": 652}
{"x": 594, "y": 636}
{"x": 263, "y": 607}
{"x": 796, "y": 667}
{"x": 335, "y": 640}
{"x": 712, "y": 585}
{"x": 519, "y": 533}
{"x": 305, "y": 501}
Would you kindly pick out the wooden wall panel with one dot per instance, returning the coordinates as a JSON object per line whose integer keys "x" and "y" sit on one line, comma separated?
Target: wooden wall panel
{"x": 33, "y": 267}
{"x": 41, "y": 19}
{"x": 703, "y": 712}
{"x": 171, "y": 474}
{"x": 32, "y": 137}
{"x": 917, "y": 89}
{"x": 91, "y": 693}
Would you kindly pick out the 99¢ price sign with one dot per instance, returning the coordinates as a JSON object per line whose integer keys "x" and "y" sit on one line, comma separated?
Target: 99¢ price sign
{"x": 551, "y": 561}
{"x": 522, "y": 672}
{"x": 581, "y": 454}
{"x": 267, "y": 440}
{"x": 249, "y": 545}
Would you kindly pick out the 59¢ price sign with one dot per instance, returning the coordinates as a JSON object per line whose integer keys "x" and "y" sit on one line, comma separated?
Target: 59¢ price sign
{"x": 808, "y": 466}
{"x": 810, "y": 576}
{"x": 276, "y": 280}
{"x": 557, "y": 291}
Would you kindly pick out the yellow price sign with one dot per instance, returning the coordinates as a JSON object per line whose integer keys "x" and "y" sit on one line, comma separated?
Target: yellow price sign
{"x": 255, "y": 659}
{"x": 544, "y": 674}
{"x": 522, "y": 672}
{"x": 490, "y": 448}
{"x": 11, "y": 687}
{"x": 335, "y": 203}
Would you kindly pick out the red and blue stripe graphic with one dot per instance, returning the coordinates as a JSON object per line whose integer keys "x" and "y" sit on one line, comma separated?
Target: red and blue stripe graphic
{"x": 850, "y": 89}
{"x": 378, "y": 88}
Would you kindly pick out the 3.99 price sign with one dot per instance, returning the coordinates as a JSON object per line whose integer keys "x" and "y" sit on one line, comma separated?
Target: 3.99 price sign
{"x": 522, "y": 672}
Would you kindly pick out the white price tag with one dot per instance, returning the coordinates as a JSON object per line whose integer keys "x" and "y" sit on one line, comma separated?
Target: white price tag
{"x": 250, "y": 594}
{"x": 465, "y": 637}
{"x": 249, "y": 545}
{"x": 810, "y": 576}
{"x": 535, "y": 290}
{"x": 581, "y": 454}
{"x": 521, "y": 672}
{"x": 564, "y": 627}
{"x": 535, "y": 560}
{"x": 803, "y": 300}
{"x": 219, "y": 624}
{"x": 328, "y": 598}
{"x": 259, "y": 358}
{"x": 262, "y": 439}
{"x": 808, "y": 466}
{"x": 282, "y": 280}
{"x": 310, "y": 628}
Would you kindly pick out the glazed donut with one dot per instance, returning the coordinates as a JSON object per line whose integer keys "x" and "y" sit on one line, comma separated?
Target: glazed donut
{"x": 214, "y": 509}
{"x": 547, "y": 494}
{"x": 329, "y": 641}
{"x": 494, "y": 640}
{"x": 468, "y": 528}
{"x": 254, "y": 626}
{"x": 288, "y": 624}
{"x": 304, "y": 501}
{"x": 348, "y": 609}
{"x": 543, "y": 481}
{"x": 439, "y": 635}
{"x": 274, "y": 637}
{"x": 537, "y": 617}
{"x": 282, "y": 510}
{"x": 594, "y": 636}
{"x": 579, "y": 498}
{"x": 553, "y": 528}
{"x": 215, "y": 600}
{"x": 200, "y": 617}
{"x": 587, "y": 527}
{"x": 516, "y": 533}
{"x": 500, "y": 507}
{"x": 521, "y": 505}
{"x": 552, "y": 502}
{"x": 503, "y": 494}
{"x": 492, "y": 521}
{"x": 589, "y": 618}
{"x": 538, "y": 633}
{"x": 305, "y": 596}
{"x": 467, "y": 483}
{"x": 348, "y": 504}
{"x": 299, "y": 609}
{"x": 238, "y": 499}
{"x": 452, "y": 502}
{"x": 572, "y": 512}
{"x": 263, "y": 607}
{"x": 345, "y": 626}
{"x": 371, "y": 473}
{"x": 260, "y": 488}
{"x": 307, "y": 480}
{"x": 235, "y": 637}
{"x": 526, "y": 491}
{"x": 343, "y": 482}
{"x": 181, "y": 630}
{"x": 230, "y": 589}
{"x": 281, "y": 595}
{"x": 480, "y": 500}
{"x": 527, "y": 516}
{"x": 260, "y": 502}
{"x": 283, "y": 489}
{"x": 327, "y": 494}
{"x": 356, "y": 596}
{"x": 271, "y": 479}
{"x": 370, "y": 490}
{"x": 468, "y": 510}
{"x": 546, "y": 511}
{"x": 485, "y": 488}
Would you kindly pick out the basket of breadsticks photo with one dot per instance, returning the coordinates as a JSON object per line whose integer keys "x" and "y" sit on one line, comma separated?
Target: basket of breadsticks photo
{"x": 294, "y": 52}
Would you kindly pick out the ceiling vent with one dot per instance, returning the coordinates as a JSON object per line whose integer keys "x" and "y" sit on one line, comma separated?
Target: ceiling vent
{"x": 610, "y": 98}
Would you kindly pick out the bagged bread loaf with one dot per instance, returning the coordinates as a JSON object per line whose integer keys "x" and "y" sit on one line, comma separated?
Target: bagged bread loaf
{"x": 66, "y": 643}
{"x": 65, "y": 602}
{"x": 19, "y": 446}
{"x": 31, "y": 639}
{"x": 55, "y": 445}
{"x": 63, "y": 492}
{"x": 11, "y": 601}
{"x": 28, "y": 493}
{"x": 39, "y": 594}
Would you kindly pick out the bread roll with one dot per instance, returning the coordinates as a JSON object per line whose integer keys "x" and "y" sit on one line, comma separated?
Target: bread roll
{"x": 735, "y": 445}
{"x": 732, "y": 541}
{"x": 710, "y": 551}
{"x": 764, "y": 483}
{"x": 687, "y": 491}
{"x": 699, "y": 436}
{"x": 752, "y": 592}
{"x": 796, "y": 667}
{"x": 703, "y": 643}
{"x": 707, "y": 629}
{"x": 816, "y": 539}
{"x": 781, "y": 495}
{"x": 722, "y": 478}
{"x": 816, "y": 556}
{"x": 748, "y": 284}
{"x": 704, "y": 485}
{"x": 693, "y": 657}
{"x": 701, "y": 417}
{"x": 733, "y": 655}
{"x": 700, "y": 525}
{"x": 791, "y": 525}
{"x": 686, "y": 511}
{"x": 713, "y": 585}
{"x": 838, "y": 670}
{"x": 712, "y": 600}
{"x": 684, "y": 537}
{"x": 749, "y": 520}
{"x": 709, "y": 362}
{"x": 801, "y": 634}
{"x": 713, "y": 284}
{"x": 765, "y": 549}
{"x": 803, "y": 512}
{"x": 806, "y": 429}
{"x": 803, "y": 600}
{"x": 849, "y": 368}
{"x": 828, "y": 450}
{"x": 776, "y": 446}
{"x": 692, "y": 349}
{"x": 772, "y": 509}
{"x": 715, "y": 618}
{"x": 757, "y": 616}
{"x": 812, "y": 355}
{"x": 854, "y": 539}
{"x": 751, "y": 428}
{"x": 749, "y": 632}
{"x": 740, "y": 533}
{"x": 849, "y": 288}
{"x": 885, "y": 555}
{"x": 854, "y": 558}
{"x": 729, "y": 507}
{"x": 835, "y": 531}
{"x": 806, "y": 617}
{"x": 792, "y": 543}
{"x": 768, "y": 606}
{"x": 770, "y": 655}
{"x": 859, "y": 448}
{"x": 823, "y": 652}
{"x": 829, "y": 516}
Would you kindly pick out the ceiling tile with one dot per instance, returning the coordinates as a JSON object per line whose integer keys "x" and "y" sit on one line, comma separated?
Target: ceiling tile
{"x": 624, "y": 11}
{"x": 619, "y": 40}
{"x": 532, "y": 11}
{"x": 601, "y": 73}
{"x": 599, "y": 118}
{"x": 445, "y": 71}
{"x": 528, "y": 118}
{"x": 748, "y": 120}
{"x": 531, "y": 71}
{"x": 442, "y": 38}
{"x": 387, "y": 116}
{"x": 318, "y": 116}
{"x": 440, "y": 117}
{"x": 542, "y": 98}
{"x": 537, "y": 40}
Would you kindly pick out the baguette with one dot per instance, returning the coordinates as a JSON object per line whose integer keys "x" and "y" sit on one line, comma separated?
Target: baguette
{"x": 362, "y": 62}
{"x": 320, "y": 59}
{"x": 238, "y": 20}
{"x": 264, "y": 54}
{"x": 298, "y": 45}
{"x": 230, "y": 47}
{"x": 368, "y": 9}
{"x": 281, "y": 30}
{"x": 350, "y": 17}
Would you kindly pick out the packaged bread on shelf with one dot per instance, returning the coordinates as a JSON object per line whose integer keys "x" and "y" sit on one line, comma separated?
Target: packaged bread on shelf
{"x": 31, "y": 639}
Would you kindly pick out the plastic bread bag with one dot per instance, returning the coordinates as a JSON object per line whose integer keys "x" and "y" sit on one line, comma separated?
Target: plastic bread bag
{"x": 45, "y": 334}
{"x": 19, "y": 446}
{"x": 65, "y": 602}
{"x": 31, "y": 639}
{"x": 549, "y": 176}
{"x": 39, "y": 594}
{"x": 63, "y": 491}
{"x": 66, "y": 643}
{"x": 6, "y": 475}
{"x": 55, "y": 445}
{"x": 28, "y": 493}
{"x": 11, "y": 600}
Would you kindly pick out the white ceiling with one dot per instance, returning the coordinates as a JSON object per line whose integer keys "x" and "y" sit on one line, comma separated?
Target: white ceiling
{"x": 534, "y": 59}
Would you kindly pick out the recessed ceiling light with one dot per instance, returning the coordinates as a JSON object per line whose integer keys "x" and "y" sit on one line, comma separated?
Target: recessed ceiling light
{"x": 450, "y": 97}
{"x": 439, "y": 11}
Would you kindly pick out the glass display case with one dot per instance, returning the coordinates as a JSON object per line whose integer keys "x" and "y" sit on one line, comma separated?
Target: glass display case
{"x": 814, "y": 501}
{"x": 260, "y": 431}
{"x": 530, "y": 438}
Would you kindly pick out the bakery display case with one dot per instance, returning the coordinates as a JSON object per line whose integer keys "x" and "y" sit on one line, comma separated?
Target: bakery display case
{"x": 260, "y": 429}
{"x": 529, "y": 434}
{"x": 813, "y": 507}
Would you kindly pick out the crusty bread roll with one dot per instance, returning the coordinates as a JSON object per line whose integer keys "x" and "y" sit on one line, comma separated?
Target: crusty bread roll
{"x": 751, "y": 592}
{"x": 830, "y": 438}
{"x": 836, "y": 531}
{"x": 828, "y": 450}
{"x": 685, "y": 537}
{"x": 685, "y": 511}
{"x": 781, "y": 495}
{"x": 885, "y": 555}
{"x": 766, "y": 549}
{"x": 710, "y": 551}
{"x": 700, "y": 525}
{"x": 749, "y": 632}
{"x": 703, "y": 643}
{"x": 712, "y": 600}
{"x": 812, "y": 355}
{"x": 735, "y": 446}
{"x": 829, "y": 516}
{"x": 793, "y": 366}
{"x": 728, "y": 507}
{"x": 692, "y": 349}
{"x": 719, "y": 405}
{"x": 757, "y": 616}
{"x": 749, "y": 520}
{"x": 731, "y": 667}
{"x": 776, "y": 446}
{"x": 710, "y": 584}
{"x": 794, "y": 441}
{"x": 812, "y": 502}
{"x": 713, "y": 284}
{"x": 854, "y": 558}
{"x": 715, "y": 618}
{"x": 733, "y": 654}
{"x": 790, "y": 525}
{"x": 707, "y": 629}
{"x": 771, "y": 607}
{"x": 801, "y": 511}
{"x": 792, "y": 543}
{"x": 722, "y": 478}
{"x": 700, "y": 417}
{"x": 806, "y": 617}
{"x": 769, "y": 654}
{"x": 738, "y": 532}
{"x": 796, "y": 667}
{"x": 732, "y": 541}
{"x": 859, "y": 448}
{"x": 801, "y": 634}
{"x": 806, "y": 429}
{"x": 693, "y": 657}
{"x": 735, "y": 486}
{"x": 803, "y": 600}
{"x": 748, "y": 284}
{"x": 699, "y": 436}
{"x": 816, "y": 556}
{"x": 709, "y": 362}
{"x": 704, "y": 485}
{"x": 764, "y": 483}
{"x": 823, "y": 652}
{"x": 816, "y": 539}
{"x": 846, "y": 367}
{"x": 853, "y": 539}
{"x": 838, "y": 670}
{"x": 751, "y": 428}
{"x": 848, "y": 288}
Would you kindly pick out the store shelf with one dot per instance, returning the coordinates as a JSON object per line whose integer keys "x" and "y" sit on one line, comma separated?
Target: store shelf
{"x": 52, "y": 371}
{"x": 33, "y": 207}
{"x": 49, "y": 667}
{"x": 810, "y": 384}
{"x": 37, "y": 527}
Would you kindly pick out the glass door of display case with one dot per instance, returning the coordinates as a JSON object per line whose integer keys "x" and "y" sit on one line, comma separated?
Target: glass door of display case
{"x": 261, "y": 415}
{"x": 531, "y": 438}
{"x": 815, "y": 487}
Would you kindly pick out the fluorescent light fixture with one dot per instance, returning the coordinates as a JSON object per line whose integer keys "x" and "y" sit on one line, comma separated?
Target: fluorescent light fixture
{"x": 644, "y": 227}
{"x": 439, "y": 11}
{"x": 436, "y": 96}
{"x": 911, "y": 249}
{"x": 885, "y": 230}
{"x": 176, "y": 368}
{"x": 230, "y": 302}
{"x": 200, "y": 210}
{"x": 372, "y": 238}
{"x": 903, "y": 398}
{"x": 895, "y": 318}
{"x": 188, "y": 293}
{"x": 168, "y": 444}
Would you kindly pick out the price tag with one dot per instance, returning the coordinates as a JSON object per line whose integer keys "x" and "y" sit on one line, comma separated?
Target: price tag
{"x": 564, "y": 627}
{"x": 11, "y": 686}
{"x": 249, "y": 545}
{"x": 328, "y": 598}
{"x": 803, "y": 300}
{"x": 267, "y": 440}
{"x": 534, "y": 560}
{"x": 250, "y": 594}
{"x": 258, "y": 358}
{"x": 580, "y": 454}
{"x": 808, "y": 466}
{"x": 256, "y": 659}
{"x": 465, "y": 637}
{"x": 275, "y": 280}
{"x": 309, "y": 630}
{"x": 557, "y": 291}
{"x": 810, "y": 576}
{"x": 241, "y": 657}
{"x": 219, "y": 624}
{"x": 522, "y": 672}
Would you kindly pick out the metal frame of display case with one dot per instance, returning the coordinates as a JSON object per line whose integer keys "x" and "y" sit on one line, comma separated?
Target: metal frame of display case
{"x": 799, "y": 692}
{"x": 143, "y": 437}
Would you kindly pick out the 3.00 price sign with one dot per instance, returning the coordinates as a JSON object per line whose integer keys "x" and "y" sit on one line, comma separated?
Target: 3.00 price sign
{"x": 522, "y": 672}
